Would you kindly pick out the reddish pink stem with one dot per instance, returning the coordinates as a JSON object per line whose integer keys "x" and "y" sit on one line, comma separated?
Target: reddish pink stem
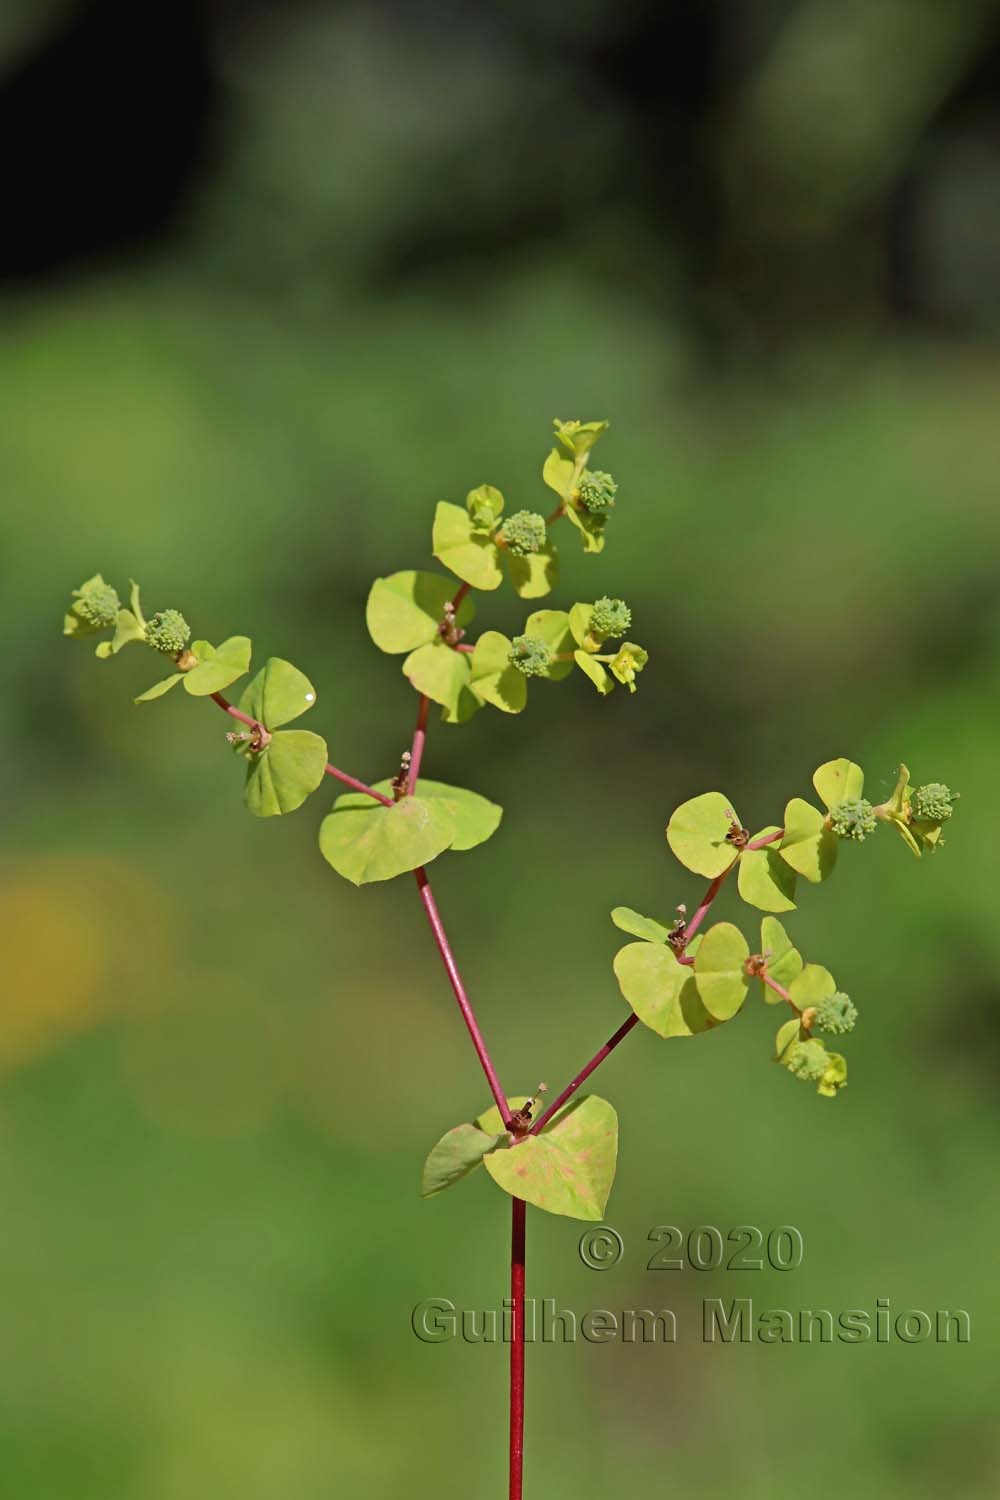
{"x": 419, "y": 741}
{"x": 585, "y": 1072}
{"x": 448, "y": 959}
{"x": 331, "y": 770}
{"x": 517, "y": 1238}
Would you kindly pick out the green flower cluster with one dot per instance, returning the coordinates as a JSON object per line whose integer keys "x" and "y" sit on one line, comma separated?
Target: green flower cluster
{"x": 854, "y": 819}
{"x": 610, "y": 618}
{"x": 523, "y": 532}
{"x": 836, "y": 1014}
{"x": 168, "y": 631}
{"x": 807, "y": 1060}
{"x": 530, "y": 655}
{"x": 96, "y": 606}
{"x": 596, "y": 491}
{"x": 933, "y": 803}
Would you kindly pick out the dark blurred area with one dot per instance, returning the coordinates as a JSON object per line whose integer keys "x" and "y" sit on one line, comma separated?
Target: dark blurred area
{"x": 274, "y": 279}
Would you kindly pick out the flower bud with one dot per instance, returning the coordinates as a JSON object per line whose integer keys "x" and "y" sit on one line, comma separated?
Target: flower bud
{"x": 168, "y": 631}
{"x": 530, "y": 655}
{"x": 523, "y": 532}
{"x": 836, "y": 1014}
{"x": 610, "y": 618}
{"x": 853, "y": 820}
{"x": 596, "y": 492}
{"x": 933, "y": 803}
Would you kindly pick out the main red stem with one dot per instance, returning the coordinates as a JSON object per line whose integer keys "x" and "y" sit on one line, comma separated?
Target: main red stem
{"x": 517, "y": 1237}
{"x": 426, "y": 897}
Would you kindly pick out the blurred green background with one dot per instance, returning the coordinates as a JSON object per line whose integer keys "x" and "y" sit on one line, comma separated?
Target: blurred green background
{"x": 382, "y": 248}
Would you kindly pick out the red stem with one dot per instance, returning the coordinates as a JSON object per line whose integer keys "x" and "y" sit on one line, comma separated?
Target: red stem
{"x": 448, "y": 959}
{"x": 585, "y": 1072}
{"x": 517, "y": 1347}
{"x": 419, "y": 741}
{"x": 433, "y": 917}
{"x": 351, "y": 781}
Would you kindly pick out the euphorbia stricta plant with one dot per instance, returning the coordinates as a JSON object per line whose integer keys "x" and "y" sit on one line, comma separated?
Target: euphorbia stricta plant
{"x": 679, "y": 977}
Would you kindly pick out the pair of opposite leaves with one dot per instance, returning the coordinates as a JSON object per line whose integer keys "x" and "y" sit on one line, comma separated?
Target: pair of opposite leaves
{"x": 568, "y": 1168}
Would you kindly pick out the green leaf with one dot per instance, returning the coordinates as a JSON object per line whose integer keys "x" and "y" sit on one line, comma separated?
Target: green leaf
{"x": 474, "y": 818}
{"x": 763, "y": 877}
{"x": 366, "y": 841}
{"x": 591, "y": 528}
{"x": 439, "y": 672}
{"x": 568, "y": 1169}
{"x": 559, "y": 473}
{"x": 457, "y": 1153}
{"x": 719, "y": 972}
{"x": 639, "y": 926}
{"x": 226, "y": 663}
{"x": 811, "y": 986}
{"x": 281, "y": 776}
{"x": 277, "y": 694}
{"x": 787, "y": 1034}
{"x": 784, "y": 961}
{"x": 534, "y": 575}
{"x": 159, "y": 688}
{"x": 552, "y": 626}
{"x": 405, "y": 609}
{"x": 493, "y": 679}
{"x": 579, "y": 624}
{"x": 602, "y": 680}
{"x": 697, "y": 834}
{"x": 466, "y": 549}
{"x": 839, "y": 781}
{"x": 128, "y": 630}
{"x": 579, "y": 437}
{"x": 808, "y": 845}
{"x": 661, "y": 991}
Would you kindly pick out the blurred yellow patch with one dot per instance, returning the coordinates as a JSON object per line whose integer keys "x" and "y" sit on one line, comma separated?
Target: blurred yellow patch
{"x": 75, "y": 933}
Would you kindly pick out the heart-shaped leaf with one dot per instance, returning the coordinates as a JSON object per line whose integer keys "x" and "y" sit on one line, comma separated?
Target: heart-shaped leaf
{"x": 469, "y": 551}
{"x": 282, "y": 775}
{"x": 366, "y": 841}
{"x": 220, "y": 668}
{"x": 784, "y": 960}
{"x": 552, "y": 627}
{"x": 764, "y": 879}
{"x": 787, "y": 1034}
{"x": 839, "y": 781}
{"x": 456, "y": 1154}
{"x": 493, "y": 679}
{"x": 595, "y": 670}
{"x": 719, "y": 970}
{"x": 535, "y": 574}
{"x": 812, "y": 985}
{"x": 558, "y": 473}
{"x": 639, "y": 926}
{"x": 697, "y": 834}
{"x": 277, "y": 694}
{"x": 474, "y": 818}
{"x": 442, "y": 674}
{"x": 569, "y": 1169}
{"x": 661, "y": 991}
{"x": 405, "y": 610}
{"x": 591, "y": 528}
{"x": 808, "y": 845}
